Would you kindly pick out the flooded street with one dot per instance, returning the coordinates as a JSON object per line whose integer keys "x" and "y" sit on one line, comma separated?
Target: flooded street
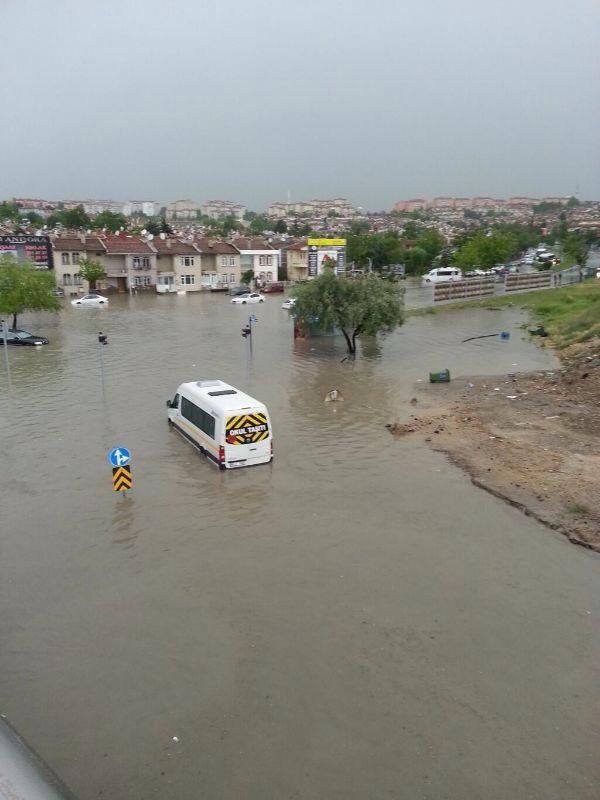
{"x": 354, "y": 620}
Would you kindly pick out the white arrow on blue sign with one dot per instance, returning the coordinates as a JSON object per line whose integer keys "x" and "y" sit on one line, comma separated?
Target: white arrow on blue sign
{"x": 119, "y": 456}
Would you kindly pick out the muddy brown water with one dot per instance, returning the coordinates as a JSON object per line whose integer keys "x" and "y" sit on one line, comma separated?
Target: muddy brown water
{"x": 355, "y": 620}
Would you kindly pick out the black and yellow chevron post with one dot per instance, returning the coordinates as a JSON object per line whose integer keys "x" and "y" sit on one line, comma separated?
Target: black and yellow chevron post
{"x": 122, "y": 479}
{"x": 246, "y": 428}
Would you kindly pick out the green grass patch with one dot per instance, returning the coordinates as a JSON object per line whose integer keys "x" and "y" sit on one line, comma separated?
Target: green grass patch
{"x": 570, "y": 314}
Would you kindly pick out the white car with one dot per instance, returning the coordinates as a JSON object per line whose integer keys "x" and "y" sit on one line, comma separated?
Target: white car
{"x": 95, "y": 300}
{"x": 289, "y": 303}
{"x": 251, "y": 297}
{"x": 442, "y": 275}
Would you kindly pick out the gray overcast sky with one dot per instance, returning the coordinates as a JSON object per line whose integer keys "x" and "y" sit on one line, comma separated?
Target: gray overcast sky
{"x": 375, "y": 100}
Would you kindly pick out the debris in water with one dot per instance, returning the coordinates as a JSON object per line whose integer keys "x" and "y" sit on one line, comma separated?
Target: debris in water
{"x": 333, "y": 396}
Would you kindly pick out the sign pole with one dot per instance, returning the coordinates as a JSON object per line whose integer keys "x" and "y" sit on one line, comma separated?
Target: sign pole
{"x": 4, "y": 337}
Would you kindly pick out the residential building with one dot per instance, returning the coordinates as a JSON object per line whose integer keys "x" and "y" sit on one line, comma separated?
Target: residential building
{"x": 222, "y": 208}
{"x": 416, "y": 204}
{"x": 220, "y": 264}
{"x": 297, "y": 261}
{"x": 258, "y": 255}
{"x": 338, "y": 206}
{"x": 178, "y": 264}
{"x": 68, "y": 251}
{"x": 129, "y": 263}
{"x": 182, "y": 209}
{"x": 93, "y": 207}
{"x": 132, "y": 208}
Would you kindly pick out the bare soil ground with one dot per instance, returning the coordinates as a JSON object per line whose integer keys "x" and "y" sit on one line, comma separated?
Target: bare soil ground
{"x": 532, "y": 439}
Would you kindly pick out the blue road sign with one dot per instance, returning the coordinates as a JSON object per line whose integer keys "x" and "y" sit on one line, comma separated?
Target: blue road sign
{"x": 119, "y": 456}
{"x": 252, "y": 318}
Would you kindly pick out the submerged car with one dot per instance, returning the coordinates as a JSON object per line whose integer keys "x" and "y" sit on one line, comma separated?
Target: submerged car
{"x": 19, "y": 337}
{"x": 273, "y": 287}
{"x": 251, "y": 297}
{"x": 94, "y": 300}
{"x": 289, "y": 303}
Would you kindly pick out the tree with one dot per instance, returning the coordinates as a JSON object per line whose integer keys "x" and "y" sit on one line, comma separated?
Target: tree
{"x": 259, "y": 224}
{"x": 280, "y": 226}
{"x": 24, "y": 288}
{"x": 75, "y": 218}
{"x": 91, "y": 270}
{"x": 9, "y": 212}
{"x": 164, "y": 226}
{"x": 153, "y": 226}
{"x": 416, "y": 260}
{"x": 576, "y": 247}
{"x": 485, "y": 250}
{"x": 109, "y": 219}
{"x": 247, "y": 276}
{"x": 34, "y": 218}
{"x": 572, "y": 202}
{"x": 365, "y": 306}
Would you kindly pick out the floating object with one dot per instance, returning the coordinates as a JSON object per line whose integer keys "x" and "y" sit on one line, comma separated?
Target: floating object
{"x": 503, "y": 335}
{"x": 537, "y": 330}
{"x": 443, "y": 376}
{"x": 333, "y": 396}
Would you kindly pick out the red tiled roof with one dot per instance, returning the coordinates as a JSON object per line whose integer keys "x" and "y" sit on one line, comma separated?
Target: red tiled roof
{"x": 126, "y": 244}
{"x": 249, "y": 243}
{"x": 91, "y": 244}
{"x": 174, "y": 247}
{"x": 211, "y": 247}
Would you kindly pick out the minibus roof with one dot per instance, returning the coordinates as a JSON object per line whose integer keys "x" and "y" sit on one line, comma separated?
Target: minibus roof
{"x": 219, "y": 395}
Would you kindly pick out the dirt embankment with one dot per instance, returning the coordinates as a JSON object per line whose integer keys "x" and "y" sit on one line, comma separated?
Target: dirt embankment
{"x": 532, "y": 439}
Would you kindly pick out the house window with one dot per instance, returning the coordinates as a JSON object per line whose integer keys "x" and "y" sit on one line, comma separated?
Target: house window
{"x": 232, "y": 261}
{"x": 146, "y": 280}
{"x": 136, "y": 262}
{"x": 75, "y": 257}
{"x": 262, "y": 261}
{"x": 188, "y": 280}
{"x": 77, "y": 279}
{"x": 269, "y": 276}
{"x": 269, "y": 261}
{"x": 137, "y": 281}
{"x": 65, "y": 258}
{"x": 66, "y": 277}
{"x": 187, "y": 261}
{"x": 146, "y": 262}
{"x": 223, "y": 261}
{"x": 232, "y": 278}
{"x": 262, "y": 276}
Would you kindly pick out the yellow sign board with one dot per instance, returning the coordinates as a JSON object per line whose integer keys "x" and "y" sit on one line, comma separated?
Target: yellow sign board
{"x": 326, "y": 242}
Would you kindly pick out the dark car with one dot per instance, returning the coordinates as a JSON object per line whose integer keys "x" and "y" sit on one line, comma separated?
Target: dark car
{"x": 273, "y": 287}
{"x": 239, "y": 290}
{"x": 18, "y": 337}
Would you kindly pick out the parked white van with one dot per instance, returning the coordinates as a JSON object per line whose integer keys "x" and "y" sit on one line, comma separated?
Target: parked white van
{"x": 442, "y": 275}
{"x": 230, "y": 427}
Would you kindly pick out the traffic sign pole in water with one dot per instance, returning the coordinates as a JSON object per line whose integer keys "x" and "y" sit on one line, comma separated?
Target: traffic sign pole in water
{"x": 4, "y": 337}
{"x": 102, "y": 340}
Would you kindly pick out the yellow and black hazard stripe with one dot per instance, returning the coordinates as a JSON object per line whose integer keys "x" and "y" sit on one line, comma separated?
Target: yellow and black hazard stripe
{"x": 246, "y": 428}
{"x": 122, "y": 479}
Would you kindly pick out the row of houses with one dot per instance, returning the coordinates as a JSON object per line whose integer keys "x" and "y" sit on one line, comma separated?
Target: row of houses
{"x": 164, "y": 263}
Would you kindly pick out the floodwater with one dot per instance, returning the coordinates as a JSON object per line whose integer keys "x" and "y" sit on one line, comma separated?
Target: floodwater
{"x": 355, "y": 620}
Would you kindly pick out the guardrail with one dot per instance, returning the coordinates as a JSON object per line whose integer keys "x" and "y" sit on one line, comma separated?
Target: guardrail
{"x": 463, "y": 290}
{"x": 519, "y": 282}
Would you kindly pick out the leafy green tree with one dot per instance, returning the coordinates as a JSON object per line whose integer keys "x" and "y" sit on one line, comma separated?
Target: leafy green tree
{"x": 280, "y": 226}
{"x": 364, "y": 306}
{"x": 111, "y": 220}
{"x": 416, "y": 260}
{"x": 92, "y": 271}
{"x": 375, "y": 249}
{"x": 9, "y": 212}
{"x": 259, "y": 224}
{"x": 164, "y": 226}
{"x": 75, "y": 218}
{"x": 228, "y": 224}
{"x": 33, "y": 217}
{"x": 576, "y": 247}
{"x": 573, "y": 202}
{"x": 246, "y": 277}
{"x": 432, "y": 242}
{"x": 24, "y": 288}
{"x": 153, "y": 226}
{"x": 485, "y": 250}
